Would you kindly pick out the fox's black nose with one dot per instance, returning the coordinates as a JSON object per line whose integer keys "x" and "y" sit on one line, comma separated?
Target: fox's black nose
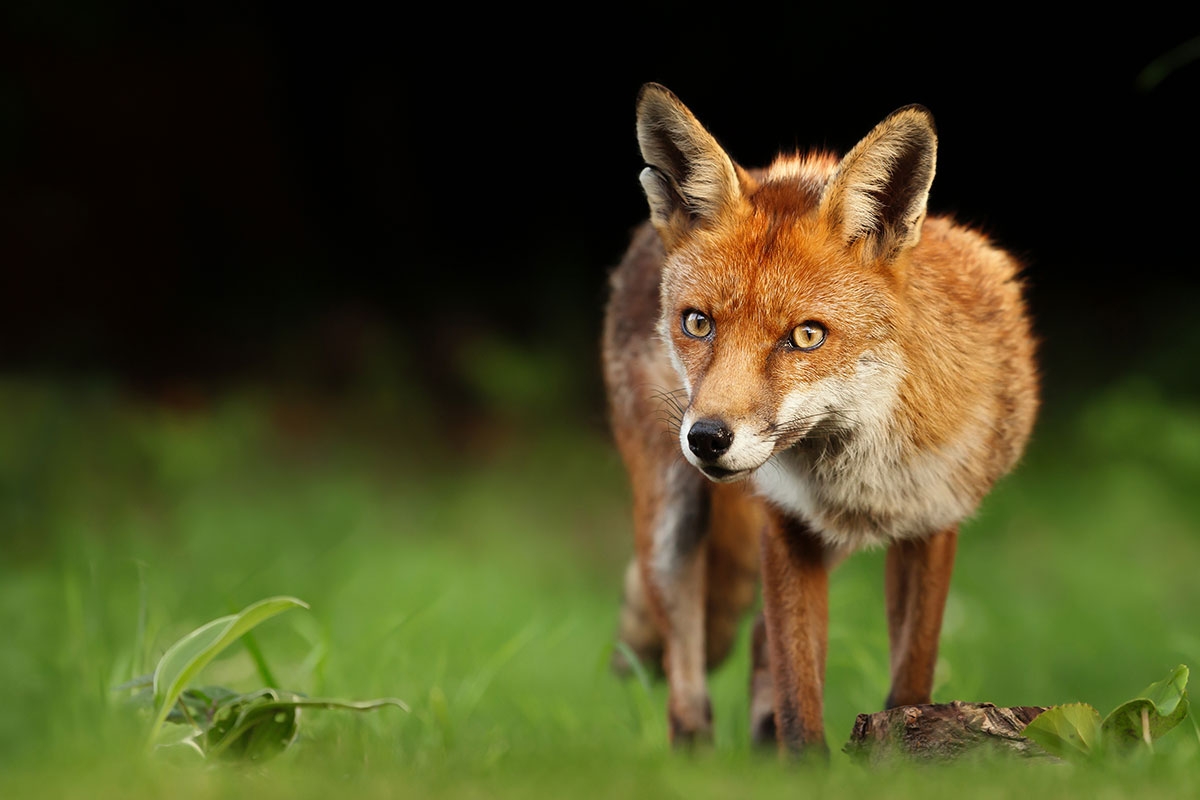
{"x": 709, "y": 439}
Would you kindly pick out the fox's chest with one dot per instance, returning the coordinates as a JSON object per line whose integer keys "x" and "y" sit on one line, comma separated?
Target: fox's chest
{"x": 867, "y": 496}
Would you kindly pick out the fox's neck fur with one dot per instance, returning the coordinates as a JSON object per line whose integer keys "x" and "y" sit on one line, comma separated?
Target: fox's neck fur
{"x": 861, "y": 483}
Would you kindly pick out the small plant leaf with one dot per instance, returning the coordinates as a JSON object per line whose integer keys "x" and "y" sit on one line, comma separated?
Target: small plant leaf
{"x": 1069, "y": 731}
{"x": 197, "y": 706}
{"x": 267, "y": 732}
{"x": 262, "y": 724}
{"x": 252, "y": 727}
{"x": 181, "y": 737}
{"x": 1154, "y": 712}
{"x": 213, "y": 720}
{"x": 184, "y": 660}
{"x": 350, "y": 705}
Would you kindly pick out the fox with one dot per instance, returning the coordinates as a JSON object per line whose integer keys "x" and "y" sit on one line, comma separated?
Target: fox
{"x": 801, "y": 362}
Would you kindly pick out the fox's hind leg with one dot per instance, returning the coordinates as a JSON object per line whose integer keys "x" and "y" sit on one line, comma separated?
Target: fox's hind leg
{"x": 670, "y": 523}
{"x": 731, "y": 585}
{"x": 724, "y": 544}
{"x": 762, "y": 688}
{"x": 670, "y": 514}
{"x": 637, "y": 628}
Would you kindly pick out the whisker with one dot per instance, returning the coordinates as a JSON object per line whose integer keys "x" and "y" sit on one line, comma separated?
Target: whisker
{"x": 803, "y": 424}
{"x": 671, "y": 408}
{"x": 876, "y": 360}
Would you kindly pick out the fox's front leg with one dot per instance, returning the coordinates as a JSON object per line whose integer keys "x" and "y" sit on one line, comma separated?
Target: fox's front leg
{"x": 795, "y": 574}
{"x": 672, "y": 524}
{"x": 917, "y": 581}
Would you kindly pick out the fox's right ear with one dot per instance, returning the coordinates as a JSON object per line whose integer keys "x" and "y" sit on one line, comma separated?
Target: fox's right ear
{"x": 878, "y": 196}
{"x": 689, "y": 179}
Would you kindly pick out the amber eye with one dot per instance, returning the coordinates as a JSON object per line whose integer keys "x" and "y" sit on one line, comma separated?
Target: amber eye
{"x": 808, "y": 335}
{"x": 696, "y": 325}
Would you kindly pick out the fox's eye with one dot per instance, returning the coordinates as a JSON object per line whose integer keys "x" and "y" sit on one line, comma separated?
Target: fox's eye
{"x": 696, "y": 325}
{"x": 808, "y": 335}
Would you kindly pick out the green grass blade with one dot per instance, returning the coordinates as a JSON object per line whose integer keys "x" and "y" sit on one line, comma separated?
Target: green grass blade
{"x": 260, "y": 661}
{"x": 635, "y": 665}
{"x": 472, "y": 691}
{"x": 184, "y": 660}
{"x": 139, "y": 659}
{"x": 649, "y": 717}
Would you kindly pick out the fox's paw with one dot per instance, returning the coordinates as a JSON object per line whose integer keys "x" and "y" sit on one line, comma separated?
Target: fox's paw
{"x": 691, "y": 727}
{"x": 762, "y": 727}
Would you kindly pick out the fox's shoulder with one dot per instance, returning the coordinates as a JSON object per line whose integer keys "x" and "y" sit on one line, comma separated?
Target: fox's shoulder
{"x": 969, "y": 264}
{"x": 944, "y": 236}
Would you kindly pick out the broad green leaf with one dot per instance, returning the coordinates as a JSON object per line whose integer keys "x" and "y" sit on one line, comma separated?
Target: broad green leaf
{"x": 184, "y": 660}
{"x": 1155, "y": 711}
{"x": 1139, "y": 721}
{"x": 1168, "y": 692}
{"x": 1068, "y": 731}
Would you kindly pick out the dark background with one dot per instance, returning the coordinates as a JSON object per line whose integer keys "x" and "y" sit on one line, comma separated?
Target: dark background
{"x": 200, "y": 194}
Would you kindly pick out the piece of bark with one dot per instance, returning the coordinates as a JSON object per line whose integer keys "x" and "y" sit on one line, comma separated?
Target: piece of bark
{"x": 943, "y": 732}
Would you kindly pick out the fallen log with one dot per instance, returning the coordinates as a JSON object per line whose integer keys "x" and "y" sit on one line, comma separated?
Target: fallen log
{"x": 943, "y": 732}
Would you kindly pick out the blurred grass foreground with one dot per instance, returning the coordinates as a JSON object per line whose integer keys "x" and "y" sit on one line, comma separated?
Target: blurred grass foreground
{"x": 476, "y": 577}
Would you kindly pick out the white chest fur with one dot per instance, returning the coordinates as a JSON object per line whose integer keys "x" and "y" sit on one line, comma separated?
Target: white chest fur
{"x": 876, "y": 486}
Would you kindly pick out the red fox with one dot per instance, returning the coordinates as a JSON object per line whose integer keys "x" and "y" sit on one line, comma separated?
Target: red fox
{"x": 836, "y": 371}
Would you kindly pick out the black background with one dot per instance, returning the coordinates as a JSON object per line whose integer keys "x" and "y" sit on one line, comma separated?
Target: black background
{"x": 206, "y": 192}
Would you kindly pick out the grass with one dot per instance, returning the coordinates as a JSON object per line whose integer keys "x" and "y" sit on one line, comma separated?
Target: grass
{"x": 478, "y": 581}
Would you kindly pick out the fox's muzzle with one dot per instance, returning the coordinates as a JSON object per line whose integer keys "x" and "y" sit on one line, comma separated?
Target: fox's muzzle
{"x": 710, "y": 440}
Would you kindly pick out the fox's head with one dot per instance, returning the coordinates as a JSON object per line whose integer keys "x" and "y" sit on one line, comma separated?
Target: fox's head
{"x": 779, "y": 288}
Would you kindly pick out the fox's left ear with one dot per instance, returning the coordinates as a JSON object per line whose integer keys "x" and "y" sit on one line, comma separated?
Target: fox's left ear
{"x": 877, "y": 198}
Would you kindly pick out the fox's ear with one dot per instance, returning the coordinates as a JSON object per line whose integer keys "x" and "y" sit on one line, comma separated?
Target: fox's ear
{"x": 879, "y": 193}
{"x": 688, "y": 178}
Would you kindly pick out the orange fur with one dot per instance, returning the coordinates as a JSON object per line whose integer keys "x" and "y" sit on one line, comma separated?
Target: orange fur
{"x": 798, "y": 360}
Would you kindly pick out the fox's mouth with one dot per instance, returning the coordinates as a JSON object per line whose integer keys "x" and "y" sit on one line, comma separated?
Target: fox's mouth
{"x": 721, "y": 475}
